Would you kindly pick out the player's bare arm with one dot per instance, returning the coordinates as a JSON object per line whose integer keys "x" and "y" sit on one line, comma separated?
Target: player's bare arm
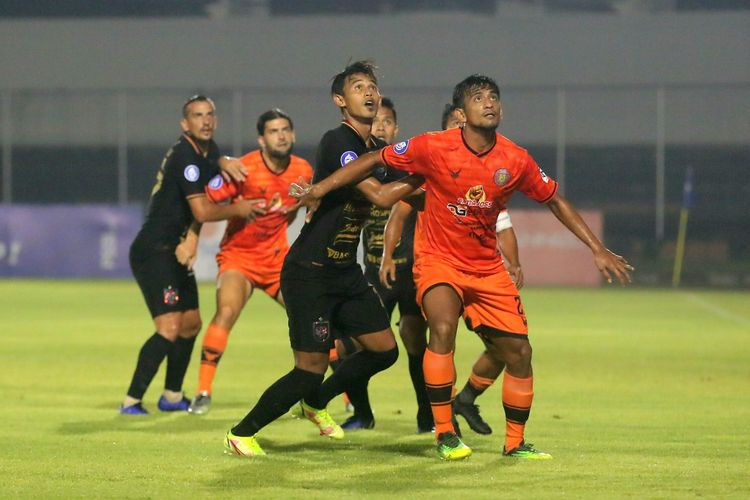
{"x": 355, "y": 171}
{"x": 187, "y": 250}
{"x": 205, "y": 211}
{"x": 508, "y": 246}
{"x": 386, "y": 195}
{"x": 394, "y": 228}
{"x": 606, "y": 261}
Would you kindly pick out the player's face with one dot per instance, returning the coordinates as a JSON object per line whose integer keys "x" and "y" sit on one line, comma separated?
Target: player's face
{"x": 278, "y": 138}
{"x": 483, "y": 109}
{"x": 361, "y": 97}
{"x": 455, "y": 119}
{"x": 200, "y": 121}
{"x": 384, "y": 125}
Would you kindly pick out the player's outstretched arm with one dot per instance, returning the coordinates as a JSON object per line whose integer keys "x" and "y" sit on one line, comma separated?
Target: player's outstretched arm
{"x": 310, "y": 195}
{"x": 386, "y": 195}
{"x": 606, "y": 261}
{"x": 394, "y": 228}
{"x": 205, "y": 211}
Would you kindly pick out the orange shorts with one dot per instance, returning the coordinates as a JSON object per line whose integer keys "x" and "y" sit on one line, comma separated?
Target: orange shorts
{"x": 265, "y": 274}
{"x": 491, "y": 301}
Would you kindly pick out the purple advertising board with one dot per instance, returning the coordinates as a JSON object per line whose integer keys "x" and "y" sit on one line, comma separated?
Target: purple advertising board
{"x": 67, "y": 241}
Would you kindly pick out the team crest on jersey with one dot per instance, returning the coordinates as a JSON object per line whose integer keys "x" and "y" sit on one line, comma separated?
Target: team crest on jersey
{"x": 321, "y": 330}
{"x": 544, "y": 176}
{"x": 401, "y": 147}
{"x": 171, "y": 296}
{"x": 216, "y": 182}
{"x": 191, "y": 173}
{"x": 501, "y": 177}
{"x": 347, "y": 157}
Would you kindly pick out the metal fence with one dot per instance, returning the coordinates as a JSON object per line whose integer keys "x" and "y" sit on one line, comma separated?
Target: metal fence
{"x": 622, "y": 149}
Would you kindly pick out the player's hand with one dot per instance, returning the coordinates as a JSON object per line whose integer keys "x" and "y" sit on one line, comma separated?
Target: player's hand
{"x": 305, "y": 193}
{"x": 516, "y": 274}
{"x": 186, "y": 254}
{"x": 250, "y": 209}
{"x": 387, "y": 272}
{"x": 610, "y": 264}
{"x": 232, "y": 168}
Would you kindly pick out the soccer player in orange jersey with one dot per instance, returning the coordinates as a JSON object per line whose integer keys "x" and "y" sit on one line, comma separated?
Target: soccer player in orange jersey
{"x": 251, "y": 253}
{"x": 486, "y": 369}
{"x": 470, "y": 174}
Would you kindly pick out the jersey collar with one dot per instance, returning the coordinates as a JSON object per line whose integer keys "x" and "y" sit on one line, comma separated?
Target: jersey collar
{"x": 478, "y": 155}
{"x": 369, "y": 143}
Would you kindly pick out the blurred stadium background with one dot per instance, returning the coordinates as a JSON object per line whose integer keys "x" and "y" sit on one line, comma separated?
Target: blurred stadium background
{"x": 614, "y": 98}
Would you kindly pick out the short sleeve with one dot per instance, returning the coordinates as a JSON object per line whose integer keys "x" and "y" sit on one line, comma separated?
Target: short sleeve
{"x": 535, "y": 183}
{"x": 191, "y": 173}
{"x": 331, "y": 155}
{"x": 410, "y": 156}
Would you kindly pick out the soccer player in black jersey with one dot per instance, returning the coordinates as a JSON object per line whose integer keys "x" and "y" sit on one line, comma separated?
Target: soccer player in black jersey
{"x": 163, "y": 253}
{"x": 402, "y": 292}
{"x": 322, "y": 283}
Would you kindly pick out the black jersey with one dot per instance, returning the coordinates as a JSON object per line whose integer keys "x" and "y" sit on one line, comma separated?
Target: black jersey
{"x": 331, "y": 238}
{"x": 184, "y": 172}
{"x": 374, "y": 227}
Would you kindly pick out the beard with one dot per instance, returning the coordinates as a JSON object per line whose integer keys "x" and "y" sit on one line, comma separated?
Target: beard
{"x": 280, "y": 154}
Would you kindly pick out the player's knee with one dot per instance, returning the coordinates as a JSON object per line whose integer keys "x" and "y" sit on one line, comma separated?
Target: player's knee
{"x": 191, "y": 329}
{"x": 384, "y": 359}
{"x": 225, "y": 316}
{"x": 169, "y": 330}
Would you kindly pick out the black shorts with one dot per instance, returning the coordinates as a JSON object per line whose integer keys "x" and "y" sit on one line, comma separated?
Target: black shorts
{"x": 403, "y": 292}
{"x": 167, "y": 285}
{"x": 321, "y": 302}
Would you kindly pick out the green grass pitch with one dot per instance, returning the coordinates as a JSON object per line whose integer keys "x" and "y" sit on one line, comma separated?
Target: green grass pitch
{"x": 638, "y": 393}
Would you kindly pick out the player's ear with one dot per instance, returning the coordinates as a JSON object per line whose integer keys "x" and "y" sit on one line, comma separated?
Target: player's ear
{"x": 184, "y": 125}
{"x": 338, "y": 100}
{"x": 461, "y": 115}
{"x": 261, "y": 142}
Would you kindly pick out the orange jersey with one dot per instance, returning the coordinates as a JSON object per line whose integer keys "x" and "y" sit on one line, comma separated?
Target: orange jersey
{"x": 263, "y": 239}
{"x": 465, "y": 192}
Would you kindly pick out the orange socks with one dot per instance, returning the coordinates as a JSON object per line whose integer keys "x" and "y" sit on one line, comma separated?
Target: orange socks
{"x": 480, "y": 384}
{"x": 440, "y": 377}
{"x": 214, "y": 344}
{"x": 517, "y": 396}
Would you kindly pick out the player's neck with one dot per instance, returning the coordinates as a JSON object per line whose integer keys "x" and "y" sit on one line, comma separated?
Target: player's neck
{"x": 274, "y": 164}
{"x": 361, "y": 127}
{"x": 201, "y": 147}
{"x": 480, "y": 140}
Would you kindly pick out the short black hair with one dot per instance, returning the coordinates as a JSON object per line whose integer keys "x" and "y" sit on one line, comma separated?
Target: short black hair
{"x": 272, "y": 114}
{"x": 386, "y": 102}
{"x": 447, "y": 111}
{"x": 195, "y": 98}
{"x": 364, "y": 67}
{"x": 470, "y": 84}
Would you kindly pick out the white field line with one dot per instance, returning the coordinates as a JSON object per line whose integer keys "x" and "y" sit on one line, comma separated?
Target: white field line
{"x": 716, "y": 309}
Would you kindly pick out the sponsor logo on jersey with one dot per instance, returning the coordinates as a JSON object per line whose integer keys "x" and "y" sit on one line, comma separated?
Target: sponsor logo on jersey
{"x": 347, "y": 157}
{"x": 401, "y": 147}
{"x": 501, "y": 177}
{"x": 544, "y": 176}
{"x": 475, "y": 197}
{"x": 216, "y": 182}
{"x": 457, "y": 210}
{"x": 191, "y": 173}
